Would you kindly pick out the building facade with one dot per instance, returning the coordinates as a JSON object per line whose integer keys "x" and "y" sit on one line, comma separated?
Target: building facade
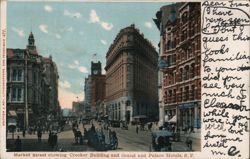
{"x": 131, "y": 77}
{"x": 78, "y": 108}
{"x": 180, "y": 63}
{"x": 50, "y": 76}
{"x": 28, "y": 87}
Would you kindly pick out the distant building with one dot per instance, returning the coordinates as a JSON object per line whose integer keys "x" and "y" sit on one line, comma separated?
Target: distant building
{"x": 88, "y": 94}
{"x": 78, "y": 108}
{"x": 66, "y": 112}
{"x": 131, "y": 77}
{"x": 179, "y": 63}
{"x": 30, "y": 92}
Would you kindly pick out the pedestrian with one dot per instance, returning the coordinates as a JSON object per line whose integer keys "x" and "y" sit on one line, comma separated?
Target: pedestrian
{"x": 50, "y": 138}
{"x": 92, "y": 128}
{"x": 81, "y": 139}
{"x": 18, "y": 144}
{"x": 55, "y": 139}
{"x": 23, "y": 132}
{"x": 189, "y": 143}
{"x": 39, "y": 135}
{"x": 137, "y": 129}
{"x": 173, "y": 128}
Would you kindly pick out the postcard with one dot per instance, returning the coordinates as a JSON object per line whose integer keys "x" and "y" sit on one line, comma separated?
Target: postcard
{"x": 125, "y": 79}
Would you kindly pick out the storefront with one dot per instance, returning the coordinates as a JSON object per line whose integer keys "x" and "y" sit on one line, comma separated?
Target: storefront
{"x": 190, "y": 115}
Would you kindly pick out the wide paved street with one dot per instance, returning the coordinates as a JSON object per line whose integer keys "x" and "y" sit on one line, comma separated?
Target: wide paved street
{"x": 128, "y": 140}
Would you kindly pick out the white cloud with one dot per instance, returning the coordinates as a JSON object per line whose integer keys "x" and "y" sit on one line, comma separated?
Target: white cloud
{"x": 19, "y": 31}
{"x": 76, "y": 66}
{"x": 70, "y": 29}
{"x": 76, "y": 62}
{"x": 104, "y": 42}
{"x": 48, "y": 8}
{"x": 93, "y": 17}
{"x": 148, "y": 24}
{"x": 83, "y": 69}
{"x": 107, "y": 26}
{"x": 81, "y": 33}
{"x": 58, "y": 36}
{"x": 64, "y": 84}
{"x": 71, "y": 66}
{"x": 72, "y": 14}
{"x": 43, "y": 28}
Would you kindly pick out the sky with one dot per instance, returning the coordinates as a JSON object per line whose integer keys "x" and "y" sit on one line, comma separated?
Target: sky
{"x": 72, "y": 32}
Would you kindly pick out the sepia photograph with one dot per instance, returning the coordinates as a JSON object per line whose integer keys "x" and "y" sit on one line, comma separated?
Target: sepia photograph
{"x": 103, "y": 76}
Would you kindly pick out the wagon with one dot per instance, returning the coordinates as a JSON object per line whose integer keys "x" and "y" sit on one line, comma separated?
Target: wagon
{"x": 161, "y": 141}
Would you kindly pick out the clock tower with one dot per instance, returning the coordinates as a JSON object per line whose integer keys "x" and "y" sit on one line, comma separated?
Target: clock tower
{"x": 31, "y": 42}
{"x": 96, "y": 68}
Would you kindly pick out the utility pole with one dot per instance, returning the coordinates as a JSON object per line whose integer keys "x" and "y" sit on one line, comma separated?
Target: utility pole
{"x": 26, "y": 118}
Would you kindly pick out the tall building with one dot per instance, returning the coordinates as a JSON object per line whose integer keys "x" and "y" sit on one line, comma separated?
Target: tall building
{"x": 131, "y": 77}
{"x": 97, "y": 86}
{"x": 50, "y": 75}
{"x": 28, "y": 88}
{"x": 87, "y": 93}
{"x": 179, "y": 63}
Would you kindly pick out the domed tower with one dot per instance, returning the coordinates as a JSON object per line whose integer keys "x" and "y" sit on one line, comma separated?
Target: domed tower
{"x": 31, "y": 42}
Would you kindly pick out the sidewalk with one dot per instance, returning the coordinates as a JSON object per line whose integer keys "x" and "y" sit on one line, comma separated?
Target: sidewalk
{"x": 195, "y": 137}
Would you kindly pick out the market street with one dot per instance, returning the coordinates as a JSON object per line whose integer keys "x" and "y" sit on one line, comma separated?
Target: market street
{"x": 128, "y": 140}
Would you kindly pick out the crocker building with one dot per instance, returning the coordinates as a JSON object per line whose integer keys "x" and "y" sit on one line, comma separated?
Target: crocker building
{"x": 131, "y": 77}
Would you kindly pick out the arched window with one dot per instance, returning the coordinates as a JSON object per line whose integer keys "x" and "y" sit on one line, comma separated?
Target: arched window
{"x": 186, "y": 72}
{"x": 184, "y": 17}
{"x": 181, "y": 74}
{"x": 186, "y": 93}
{"x": 192, "y": 71}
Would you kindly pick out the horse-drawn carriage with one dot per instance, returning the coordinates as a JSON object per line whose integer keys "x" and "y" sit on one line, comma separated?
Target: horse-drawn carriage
{"x": 96, "y": 139}
{"x": 124, "y": 125}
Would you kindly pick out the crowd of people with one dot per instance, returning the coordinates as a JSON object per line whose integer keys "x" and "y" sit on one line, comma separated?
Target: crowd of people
{"x": 101, "y": 134}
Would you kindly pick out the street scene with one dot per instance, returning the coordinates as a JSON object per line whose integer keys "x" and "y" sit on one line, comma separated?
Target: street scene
{"x": 87, "y": 77}
{"x": 128, "y": 140}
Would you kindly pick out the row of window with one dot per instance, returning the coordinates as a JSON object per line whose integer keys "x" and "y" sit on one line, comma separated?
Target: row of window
{"x": 185, "y": 73}
{"x": 184, "y": 94}
{"x": 171, "y": 44}
{"x": 15, "y": 75}
{"x": 15, "y": 94}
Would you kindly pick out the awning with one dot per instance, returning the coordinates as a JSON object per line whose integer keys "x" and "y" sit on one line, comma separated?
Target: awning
{"x": 140, "y": 116}
{"x": 12, "y": 113}
{"x": 187, "y": 105}
{"x": 12, "y": 122}
{"x": 173, "y": 119}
